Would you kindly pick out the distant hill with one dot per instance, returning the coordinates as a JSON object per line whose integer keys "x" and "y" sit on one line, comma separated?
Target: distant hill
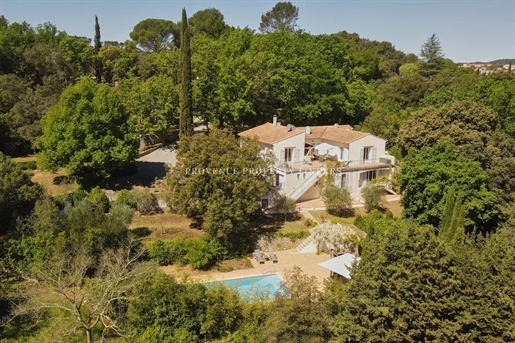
{"x": 500, "y": 61}
{"x": 503, "y": 61}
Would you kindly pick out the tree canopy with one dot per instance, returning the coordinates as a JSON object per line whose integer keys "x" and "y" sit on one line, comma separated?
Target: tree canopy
{"x": 89, "y": 128}
{"x": 155, "y": 34}
{"x": 283, "y": 16}
{"x": 428, "y": 174}
{"x": 431, "y": 49}
{"x": 219, "y": 182}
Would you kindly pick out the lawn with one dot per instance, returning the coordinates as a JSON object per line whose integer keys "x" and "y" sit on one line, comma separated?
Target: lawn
{"x": 55, "y": 183}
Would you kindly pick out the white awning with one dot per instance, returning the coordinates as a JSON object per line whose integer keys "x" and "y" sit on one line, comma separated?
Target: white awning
{"x": 341, "y": 264}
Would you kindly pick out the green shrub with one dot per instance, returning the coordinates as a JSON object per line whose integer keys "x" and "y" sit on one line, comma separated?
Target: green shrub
{"x": 146, "y": 203}
{"x": 27, "y": 165}
{"x": 121, "y": 213}
{"x": 125, "y": 197}
{"x": 99, "y": 198}
{"x": 338, "y": 200}
{"x": 200, "y": 253}
{"x": 360, "y": 222}
{"x": 309, "y": 222}
{"x": 298, "y": 234}
{"x": 372, "y": 195}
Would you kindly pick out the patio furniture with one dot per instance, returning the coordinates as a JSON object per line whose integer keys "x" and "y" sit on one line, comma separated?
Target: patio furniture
{"x": 257, "y": 255}
{"x": 273, "y": 258}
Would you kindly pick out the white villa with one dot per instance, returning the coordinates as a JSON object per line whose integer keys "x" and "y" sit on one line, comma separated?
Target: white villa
{"x": 301, "y": 154}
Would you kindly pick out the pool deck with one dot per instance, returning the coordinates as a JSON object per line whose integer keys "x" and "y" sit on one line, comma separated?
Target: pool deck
{"x": 287, "y": 259}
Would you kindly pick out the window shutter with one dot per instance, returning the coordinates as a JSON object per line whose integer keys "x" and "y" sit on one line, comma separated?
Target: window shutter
{"x": 362, "y": 155}
{"x": 373, "y": 155}
{"x": 295, "y": 155}
{"x": 281, "y": 157}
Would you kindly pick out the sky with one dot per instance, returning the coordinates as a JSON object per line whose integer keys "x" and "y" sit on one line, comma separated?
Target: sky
{"x": 481, "y": 30}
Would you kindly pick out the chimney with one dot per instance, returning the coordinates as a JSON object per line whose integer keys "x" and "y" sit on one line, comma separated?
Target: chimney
{"x": 275, "y": 120}
{"x": 308, "y": 130}
{"x": 336, "y": 125}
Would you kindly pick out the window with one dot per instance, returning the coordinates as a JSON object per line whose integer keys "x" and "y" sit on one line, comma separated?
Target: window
{"x": 264, "y": 203}
{"x": 344, "y": 181}
{"x": 288, "y": 153}
{"x": 366, "y": 177}
{"x": 366, "y": 153}
{"x": 298, "y": 176}
{"x": 304, "y": 175}
{"x": 370, "y": 175}
{"x": 277, "y": 180}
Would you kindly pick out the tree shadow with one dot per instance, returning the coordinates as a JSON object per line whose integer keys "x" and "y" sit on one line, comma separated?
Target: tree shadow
{"x": 140, "y": 173}
{"x": 267, "y": 223}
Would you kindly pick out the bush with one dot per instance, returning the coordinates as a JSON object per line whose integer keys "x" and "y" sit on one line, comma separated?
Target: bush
{"x": 338, "y": 200}
{"x": 125, "y": 197}
{"x": 286, "y": 206}
{"x": 99, "y": 198}
{"x": 122, "y": 213}
{"x": 200, "y": 253}
{"x": 298, "y": 234}
{"x": 372, "y": 195}
{"x": 146, "y": 203}
{"x": 27, "y": 165}
{"x": 309, "y": 222}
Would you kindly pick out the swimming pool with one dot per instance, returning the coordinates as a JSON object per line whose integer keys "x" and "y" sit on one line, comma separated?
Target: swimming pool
{"x": 255, "y": 287}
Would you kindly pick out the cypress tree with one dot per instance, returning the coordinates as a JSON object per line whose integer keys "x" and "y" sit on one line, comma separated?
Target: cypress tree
{"x": 447, "y": 213}
{"x": 98, "y": 45}
{"x": 185, "y": 95}
{"x": 457, "y": 227}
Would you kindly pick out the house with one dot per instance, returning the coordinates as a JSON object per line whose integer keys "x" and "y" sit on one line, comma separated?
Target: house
{"x": 301, "y": 155}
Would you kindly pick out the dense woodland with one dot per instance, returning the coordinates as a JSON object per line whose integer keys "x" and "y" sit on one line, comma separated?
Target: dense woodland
{"x": 71, "y": 271}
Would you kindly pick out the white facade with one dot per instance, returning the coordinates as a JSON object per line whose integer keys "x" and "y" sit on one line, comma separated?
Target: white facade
{"x": 293, "y": 144}
{"x": 300, "y": 161}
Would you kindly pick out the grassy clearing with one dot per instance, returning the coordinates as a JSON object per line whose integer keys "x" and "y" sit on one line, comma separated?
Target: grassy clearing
{"x": 321, "y": 216}
{"x": 234, "y": 264}
{"x": 162, "y": 226}
{"x": 51, "y": 182}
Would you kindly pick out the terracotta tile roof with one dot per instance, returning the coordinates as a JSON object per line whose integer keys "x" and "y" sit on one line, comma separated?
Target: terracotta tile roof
{"x": 270, "y": 134}
{"x": 341, "y": 134}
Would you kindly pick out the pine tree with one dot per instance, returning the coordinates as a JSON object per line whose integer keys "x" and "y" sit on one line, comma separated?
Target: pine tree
{"x": 431, "y": 49}
{"x": 185, "y": 95}
{"x": 98, "y": 45}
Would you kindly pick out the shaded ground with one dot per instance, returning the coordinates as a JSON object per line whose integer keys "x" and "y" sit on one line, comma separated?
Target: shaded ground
{"x": 154, "y": 165}
{"x": 270, "y": 223}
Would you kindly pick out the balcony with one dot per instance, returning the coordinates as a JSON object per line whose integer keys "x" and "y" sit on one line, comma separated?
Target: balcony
{"x": 377, "y": 163}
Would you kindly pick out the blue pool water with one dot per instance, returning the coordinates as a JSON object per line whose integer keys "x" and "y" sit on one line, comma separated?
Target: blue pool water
{"x": 256, "y": 287}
